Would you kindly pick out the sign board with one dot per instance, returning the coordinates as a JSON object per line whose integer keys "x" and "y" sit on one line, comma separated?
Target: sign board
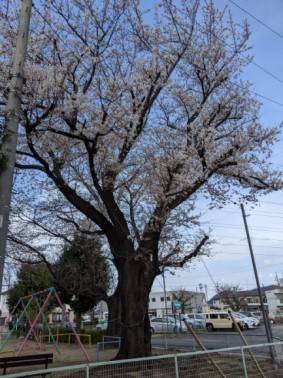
{"x": 176, "y": 305}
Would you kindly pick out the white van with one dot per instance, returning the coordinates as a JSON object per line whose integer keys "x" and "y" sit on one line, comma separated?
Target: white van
{"x": 221, "y": 320}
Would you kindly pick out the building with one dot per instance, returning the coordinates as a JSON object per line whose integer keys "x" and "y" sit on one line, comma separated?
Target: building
{"x": 195, "y": 302}
{"x": 248, "y": 299}
{"x": 275, "y": 300}
{"x": 4, "y": 310}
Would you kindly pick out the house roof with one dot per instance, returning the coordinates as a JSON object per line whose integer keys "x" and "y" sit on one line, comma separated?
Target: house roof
{"x": 246, "y": 293}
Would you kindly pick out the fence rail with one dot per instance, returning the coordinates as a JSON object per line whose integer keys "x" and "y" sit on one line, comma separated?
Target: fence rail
{"x": 235, "y": 362}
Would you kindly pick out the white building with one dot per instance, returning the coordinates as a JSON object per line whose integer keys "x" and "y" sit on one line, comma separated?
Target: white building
{"x": 275, "y": 300}
{"x": 157, "y": 303}
{"x": 4, "y": 310}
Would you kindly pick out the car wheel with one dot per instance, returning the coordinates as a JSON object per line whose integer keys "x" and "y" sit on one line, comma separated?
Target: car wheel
{"x": 210, "y": 327}
{"x": 152, "y": 330}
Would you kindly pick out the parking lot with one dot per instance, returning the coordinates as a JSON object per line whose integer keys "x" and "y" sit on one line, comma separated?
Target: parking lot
{"x": 217, "y": 339}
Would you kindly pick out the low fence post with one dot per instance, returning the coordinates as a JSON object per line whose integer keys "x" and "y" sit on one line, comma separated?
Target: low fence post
{"x": 176, "y": 366}
{"x": 87, "y": 371}
{"x": 97, "y": 351}
{"x": 244, "y": 363}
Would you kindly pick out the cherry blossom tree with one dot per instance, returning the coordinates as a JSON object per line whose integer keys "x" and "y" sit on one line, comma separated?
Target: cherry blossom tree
{"x": 132, "y": 117}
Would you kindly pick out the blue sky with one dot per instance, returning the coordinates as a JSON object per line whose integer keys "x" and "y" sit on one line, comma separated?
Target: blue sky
{"x": 230, "y": 261}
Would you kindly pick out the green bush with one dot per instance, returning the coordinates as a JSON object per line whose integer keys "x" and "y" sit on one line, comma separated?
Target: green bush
{"x": 95, "y": 335}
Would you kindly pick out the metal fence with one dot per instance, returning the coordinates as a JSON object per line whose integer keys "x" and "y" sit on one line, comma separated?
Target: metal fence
{"x": 112, "y": 342}
{"x": 236, "y": 362}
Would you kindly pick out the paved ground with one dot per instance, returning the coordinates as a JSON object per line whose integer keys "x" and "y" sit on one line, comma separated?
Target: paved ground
{"x": 217, "y": 339}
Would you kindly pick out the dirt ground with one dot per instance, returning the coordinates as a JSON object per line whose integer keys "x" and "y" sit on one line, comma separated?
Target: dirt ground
{"x": 69, "y": 354}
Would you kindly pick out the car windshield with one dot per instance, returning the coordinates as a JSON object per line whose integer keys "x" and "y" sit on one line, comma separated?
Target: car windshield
{"x": 239, "y": 315}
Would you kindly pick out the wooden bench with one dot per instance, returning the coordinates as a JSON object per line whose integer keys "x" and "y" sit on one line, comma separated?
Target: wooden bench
{"x": 29, "y": 360}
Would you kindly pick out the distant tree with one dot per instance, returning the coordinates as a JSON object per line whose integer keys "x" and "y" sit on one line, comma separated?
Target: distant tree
{"x": 82, "y": 274}
{"x": 30, "y": 279}
{"x": 183, "y": 296}
{"x": 231, "y": 296}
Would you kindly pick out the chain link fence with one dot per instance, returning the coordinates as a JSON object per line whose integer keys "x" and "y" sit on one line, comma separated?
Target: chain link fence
{"x": 262, "y": 360}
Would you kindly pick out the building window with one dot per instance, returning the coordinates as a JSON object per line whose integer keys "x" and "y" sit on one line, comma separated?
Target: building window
{"x": 168, "y": 299}
{"x": 162, "y": 299}
{"x": 57, "y": 317}
{"x": 153, "y": 300}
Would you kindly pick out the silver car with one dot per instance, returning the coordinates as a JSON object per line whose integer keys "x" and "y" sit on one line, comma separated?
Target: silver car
{"x": 102, "y": 325}
{"x": 163, "y": 324}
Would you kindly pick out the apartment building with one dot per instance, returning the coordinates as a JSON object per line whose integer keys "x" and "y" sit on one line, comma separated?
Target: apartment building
{"x": 195, "y": 302}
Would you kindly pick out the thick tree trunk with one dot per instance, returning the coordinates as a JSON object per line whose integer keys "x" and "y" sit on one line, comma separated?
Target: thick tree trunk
{"x": 135, "y": 281}
{"x": 114, "y": 314}
{"x": 78, "y": 320}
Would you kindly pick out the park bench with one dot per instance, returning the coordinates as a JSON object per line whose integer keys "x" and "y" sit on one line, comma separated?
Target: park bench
{"x": 28, "y": 360}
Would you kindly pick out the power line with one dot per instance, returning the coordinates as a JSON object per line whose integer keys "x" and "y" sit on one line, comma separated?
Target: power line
{"x": 237, "y": 227}
{"x": 255, "y": 245}
{"x": 208, "y": 272}
{"x": 272, "y": 203}
{"x": 257, "y": 19}
{"x": 244, "y": 254}
{"x": 258, "y": 213}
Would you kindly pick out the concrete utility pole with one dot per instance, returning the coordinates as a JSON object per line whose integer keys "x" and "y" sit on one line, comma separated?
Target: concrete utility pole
{"x": 166, "y": 312}
{"x": 9, "y": 138}
{"x": 265, "y": 318}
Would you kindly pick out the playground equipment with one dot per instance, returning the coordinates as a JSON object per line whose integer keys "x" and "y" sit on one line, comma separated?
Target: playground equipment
{"x": 38, "y": 302}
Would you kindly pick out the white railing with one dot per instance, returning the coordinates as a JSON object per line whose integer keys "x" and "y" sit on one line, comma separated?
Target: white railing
{"x": 245, "y": 361}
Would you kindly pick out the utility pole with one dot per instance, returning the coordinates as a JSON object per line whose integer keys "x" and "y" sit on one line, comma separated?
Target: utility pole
{"x": 10, "y": 134}
{"x": 165, "y": 301}
{"x": 265, "y": 318}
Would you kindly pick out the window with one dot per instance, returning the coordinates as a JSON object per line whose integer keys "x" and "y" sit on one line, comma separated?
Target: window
{"x": 191, "y": 316}
{"x": 168, "y": 299}
{"x": 213, "y": 316}
{"x": 223, "y": 316}
{"x": 56, "y": 317}
{"x": 157, "y": 320}
{"x": 153, "y": 300}
{"x": 162, "y": 299}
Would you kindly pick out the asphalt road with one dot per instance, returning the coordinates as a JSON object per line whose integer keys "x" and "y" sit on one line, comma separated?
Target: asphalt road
{"x": 217, "y": 339}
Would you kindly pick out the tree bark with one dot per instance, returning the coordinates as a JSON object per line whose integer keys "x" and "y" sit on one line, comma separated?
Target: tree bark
{"x": 114, "y": 314}
{"x": 135, "y": 281}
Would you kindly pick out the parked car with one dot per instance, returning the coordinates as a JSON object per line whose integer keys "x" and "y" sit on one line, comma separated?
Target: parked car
{"x": 255, "y": 314}
{"x": 102, "y": 325}
{"x": 197, "y": 320}
{"x": 160, "y": 324}
{"x": 250, "y": 323}
{"x": 255, "y": 319}
{"x": 221, "y": 320}
{"x": 69, "y": 324}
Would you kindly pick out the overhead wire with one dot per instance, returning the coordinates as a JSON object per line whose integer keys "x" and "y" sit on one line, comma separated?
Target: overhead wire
{"x": 256, "y": 64}
{"x": 257, "y": 19}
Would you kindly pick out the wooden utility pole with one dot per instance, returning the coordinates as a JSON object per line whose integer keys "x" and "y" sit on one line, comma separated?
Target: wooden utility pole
{"x": 10, "y": 134}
